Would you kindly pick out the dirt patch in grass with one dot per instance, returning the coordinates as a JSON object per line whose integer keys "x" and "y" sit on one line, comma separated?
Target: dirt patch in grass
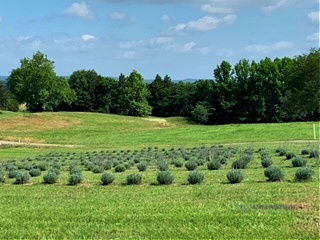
{"x": 35, "y": 123}
{"x": 301, "y": 207}
{"x": 161, "y": 121}
{"x": 22, "y": 139}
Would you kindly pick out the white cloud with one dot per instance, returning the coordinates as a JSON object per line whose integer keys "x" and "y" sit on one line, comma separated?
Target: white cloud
{"x": 206, "y": 23}
{"x": 226, "y": 52}
{"x": 87, "y": 37}
{"x": 23, "y": 38}
{"x": 161, "y": 41}
{"x": 128, "y": 54}
{"x": 260, "y": 48}
{"x": 209, "y": 8}
{"x": 132, "y": 44}
{"x": 80, "y": 9}
{"x": 314, "y": 37}
{"x": 165, "y": 18}
{"x": 118, "y": 16}
{"x": 275, "y": 6}
{"x": 204, "y": 50}
{"x": 188, "y": 46}
{"x": 314, "y": 17}
{"x": 36, "y": 45}
{"x": 73, "y": 44}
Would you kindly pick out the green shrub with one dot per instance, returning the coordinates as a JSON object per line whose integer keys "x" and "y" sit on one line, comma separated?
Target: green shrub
{"x": 314, "y": 154}
{"x": 50, "y": 178}
{"x": 263, "y": 152}
{"x": 235, "y": 176}
{"x": 299, "y": 162}
{"x": 74, "y": 169}
{"x": 134, "y": 179}
{"x": 214, "y": 165}
{"x": 163, "y": 166}
{"x": 305, "y": 152}
{"x": 136, "y": 160}
{"x": 142, "y": 166}
{"x": 248, "y": 151}
{"x": 12, "y": 173}
{"x": 223, "y": 159}
{"x": 246, "y": 157}
{"x": 22, "y": 178}
{"x": 11, "y": 167}
{"x": 107, "y": 178}
{"x": 200, "y": 114}
{"x": 57, "y": 165}
{"x": 201, "y": 161}
{"x": 240, "y": 163}
{"x": 2, "y": 176}
{"x": 55, "y": 170}
{"x": 165, "y": 177}
{"x": 191, "y": 165}
{"x": 281, "y": 151}
{"x": 274, "y": 173}
{"x": 75, "y": 178}
{"x": 128, "y": 165}
{"x": 266, "y": 162}
{"x": 195, "y": 177}
{"x": 35, "y": 172}
{"x": 43, "y": 166}
{"x": 120, "y": 168}
{"x": 178, "y": 163}
{"x": 97, "y": 169}
{"x": 290, "y": 155}
{"x": 304, "y": 174}
{"x": 107, "y": 165}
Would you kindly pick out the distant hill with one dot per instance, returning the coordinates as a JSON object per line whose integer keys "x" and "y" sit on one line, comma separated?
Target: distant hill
{"x": 3, "y": 78}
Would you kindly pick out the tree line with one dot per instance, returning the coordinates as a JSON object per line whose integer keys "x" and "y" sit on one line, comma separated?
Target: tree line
{"x": 279, "y": 90}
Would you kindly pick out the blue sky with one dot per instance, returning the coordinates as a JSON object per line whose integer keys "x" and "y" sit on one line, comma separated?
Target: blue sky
{"x": 184, "y": 39}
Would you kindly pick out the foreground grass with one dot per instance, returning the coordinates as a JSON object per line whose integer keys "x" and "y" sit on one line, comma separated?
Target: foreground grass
{"x": 209, "y": 211}
{"x": 212, "y": 210}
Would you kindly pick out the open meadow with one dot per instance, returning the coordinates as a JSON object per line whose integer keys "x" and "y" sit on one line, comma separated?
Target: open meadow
{"x": 98, "y": 176}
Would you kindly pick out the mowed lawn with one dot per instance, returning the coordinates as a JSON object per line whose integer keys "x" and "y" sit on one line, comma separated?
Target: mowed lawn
{"x": 214, "y": 209}
{"x": 112, "y": 131}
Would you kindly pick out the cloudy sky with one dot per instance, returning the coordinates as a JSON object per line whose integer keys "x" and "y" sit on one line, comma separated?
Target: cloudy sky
{"x": 181, "y": 38}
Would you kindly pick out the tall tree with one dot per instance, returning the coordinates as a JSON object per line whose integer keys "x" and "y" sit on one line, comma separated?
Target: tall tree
{"x": 85, "y": 83}
{"x": 223, "y": 97}
{"x": 106, "y": 95}
{"x": 302, "y": 99}
{"x": 36, "y": 84}
{"x": 160, "y": 92}
{"x": 3, "y": 96}
{"x": 133, "y": 94}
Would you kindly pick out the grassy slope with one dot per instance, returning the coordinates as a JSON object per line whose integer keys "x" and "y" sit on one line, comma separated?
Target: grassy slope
{"x": 112, "y": 131}
{"x": 210, "y": 210}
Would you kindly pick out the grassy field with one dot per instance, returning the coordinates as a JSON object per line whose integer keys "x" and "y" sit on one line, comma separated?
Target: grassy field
{"x": 91, "y": 131}
{"x": 214, "y": 209}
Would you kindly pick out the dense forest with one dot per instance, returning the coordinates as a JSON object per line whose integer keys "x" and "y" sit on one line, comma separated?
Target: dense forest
{"x": 279, "y": 90}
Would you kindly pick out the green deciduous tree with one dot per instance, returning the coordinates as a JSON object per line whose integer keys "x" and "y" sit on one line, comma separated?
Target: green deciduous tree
{"x": 36, "y": 84}
{"x": 133, "y": 94}
{"x": 161, "y": 95}
{"x": 302, "y": 98}
{"x": 85, "y": 84}
{"x": 200, "y": 114}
